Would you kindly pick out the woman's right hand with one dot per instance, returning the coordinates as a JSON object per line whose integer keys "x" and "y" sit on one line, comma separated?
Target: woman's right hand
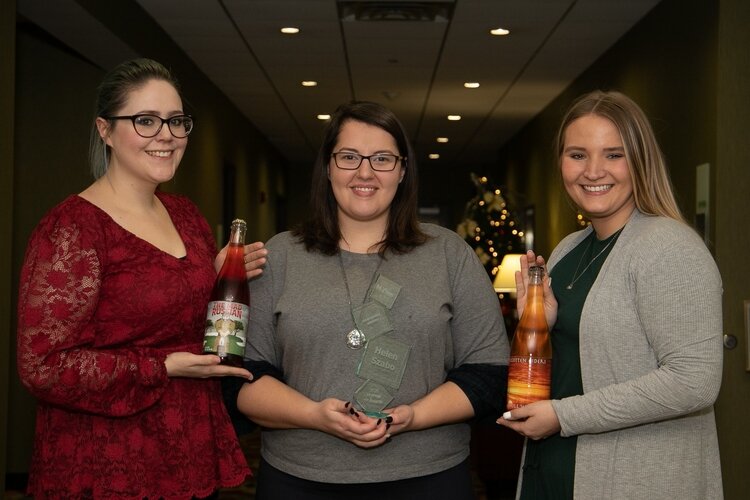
{"x": 187, "y": 364}
{"x": 340, "y": 419}
{"x": 522, "y": 281}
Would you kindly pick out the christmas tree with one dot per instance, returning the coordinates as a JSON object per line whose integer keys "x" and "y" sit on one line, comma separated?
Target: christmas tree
{"x": 490, "y": 225}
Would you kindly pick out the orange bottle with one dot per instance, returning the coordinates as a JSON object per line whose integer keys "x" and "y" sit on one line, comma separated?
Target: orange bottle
{"x": 530, "y": 364}
{"x": 229, "y": 307}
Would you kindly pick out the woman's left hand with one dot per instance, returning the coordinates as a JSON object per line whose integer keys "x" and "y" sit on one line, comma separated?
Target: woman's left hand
{"x": 534, "y": 421}
{"x": 255, "y": 258}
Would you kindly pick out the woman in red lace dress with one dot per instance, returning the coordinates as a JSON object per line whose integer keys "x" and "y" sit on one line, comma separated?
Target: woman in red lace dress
{"x": 112, "y": 306}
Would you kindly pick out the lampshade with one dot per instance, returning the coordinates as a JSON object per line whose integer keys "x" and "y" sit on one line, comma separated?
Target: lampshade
{"x": 505, "y": 279}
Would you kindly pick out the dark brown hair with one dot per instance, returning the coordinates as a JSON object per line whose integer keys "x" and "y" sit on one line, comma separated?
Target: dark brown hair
{"x": 322, "y": 232}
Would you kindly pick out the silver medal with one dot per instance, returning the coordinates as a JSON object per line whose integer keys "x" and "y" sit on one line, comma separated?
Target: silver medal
{"x": 355, "y": 339}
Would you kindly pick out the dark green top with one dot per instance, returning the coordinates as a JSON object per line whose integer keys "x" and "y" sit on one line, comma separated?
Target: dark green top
{"x": 549, "y": 467}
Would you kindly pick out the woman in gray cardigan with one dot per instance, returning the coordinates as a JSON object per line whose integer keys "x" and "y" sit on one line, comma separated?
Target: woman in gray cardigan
{"x": 635, "y": 316}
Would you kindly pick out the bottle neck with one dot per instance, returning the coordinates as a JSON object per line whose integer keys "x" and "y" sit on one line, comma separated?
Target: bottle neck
{"x": 237, "y": 236}
{"x": 535, "y": 291}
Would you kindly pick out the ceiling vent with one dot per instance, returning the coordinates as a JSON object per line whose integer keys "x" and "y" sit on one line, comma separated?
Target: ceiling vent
{"x": 434, "y": 12}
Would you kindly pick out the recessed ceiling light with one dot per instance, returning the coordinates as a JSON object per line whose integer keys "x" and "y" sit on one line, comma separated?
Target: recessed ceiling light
{"x": 309, "y": 83}
{"x": 442, "y": 139}
{"x": 499, "y": 32}
{"x": 324, "y": 117}
{"x": 471, "y": 85}
{"x": 454, "y": 118}
{"x": 433, "y": 156}
{"x": 290, "y": 30}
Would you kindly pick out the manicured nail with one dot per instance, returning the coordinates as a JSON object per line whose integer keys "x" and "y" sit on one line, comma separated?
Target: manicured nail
{"x": 387, "y": 426}
{"x": 347, "y": 404}
{"x": 351, "y": 411}
{"x": 378, "y": 423}
{"x": 388, "y": 419}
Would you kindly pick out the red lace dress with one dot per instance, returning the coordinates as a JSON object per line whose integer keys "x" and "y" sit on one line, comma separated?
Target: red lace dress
{"x": 99, "y": 310}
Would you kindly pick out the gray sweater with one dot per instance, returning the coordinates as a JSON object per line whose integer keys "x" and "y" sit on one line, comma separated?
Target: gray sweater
{"x": 446, "y": 311}
{"x": 651, "y": 363}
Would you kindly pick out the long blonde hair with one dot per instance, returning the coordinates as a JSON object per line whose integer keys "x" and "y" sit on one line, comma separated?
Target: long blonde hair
{"x": 652, "y": 189}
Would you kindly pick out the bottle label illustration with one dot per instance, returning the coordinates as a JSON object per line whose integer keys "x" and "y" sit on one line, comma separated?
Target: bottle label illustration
{"x": 226, "y": 327}
{"x": 528, "y": 380}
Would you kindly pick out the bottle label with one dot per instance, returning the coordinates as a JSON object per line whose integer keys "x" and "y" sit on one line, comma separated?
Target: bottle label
{"x": 226, "y": 328}
{"x": 528, "y": 380}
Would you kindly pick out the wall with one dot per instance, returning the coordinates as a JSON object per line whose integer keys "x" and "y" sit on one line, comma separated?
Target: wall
{"x": 672, "y": 77}
{"x": 669, "y": 63}
{"x": 7, "y": 91}
{"x": 733, "y": 238}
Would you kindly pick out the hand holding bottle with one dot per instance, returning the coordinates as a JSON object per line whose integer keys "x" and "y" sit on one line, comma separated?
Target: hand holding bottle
{"x": 254, "y": 256}
{"x": 522, "y": 282}
{"x": 534, "y": 421}
{"x": 187, "y": 364}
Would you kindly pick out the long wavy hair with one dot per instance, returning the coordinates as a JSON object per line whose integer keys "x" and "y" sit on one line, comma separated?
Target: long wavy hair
{"x": 652, "y": 188}
{"x": 322, "y": 232}
{"x": 112, "y": 95}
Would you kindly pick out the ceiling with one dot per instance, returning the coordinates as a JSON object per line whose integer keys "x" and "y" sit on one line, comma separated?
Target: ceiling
{"x": 412, "y": 56}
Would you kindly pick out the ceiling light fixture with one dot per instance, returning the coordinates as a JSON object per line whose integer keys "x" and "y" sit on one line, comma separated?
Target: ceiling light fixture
{"x": 324, "y": 117}
{"x": 454, "y": 118}
{"x": 290, "y": 30}
{"x": 499, "y": 32}
{"x": 433, "y": 156}
{"x": 442, "y": 139}
{"x": 471, "y": 85}
{"x": 309, "y": 83}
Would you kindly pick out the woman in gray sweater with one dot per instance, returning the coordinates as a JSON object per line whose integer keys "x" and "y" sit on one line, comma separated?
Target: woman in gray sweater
{"x": 635, "y": 316}
{"x": 373, "y": 338}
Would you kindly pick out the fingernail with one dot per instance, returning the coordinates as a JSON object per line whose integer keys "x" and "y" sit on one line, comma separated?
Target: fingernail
{"x": 387, "y": 426}
{"x": 351, "y": 411}
{"x": 347, "y": 404}
{"x": 388, "y": 419}
{"x": 356, "y": 414}
{"x": 378, "y": 423}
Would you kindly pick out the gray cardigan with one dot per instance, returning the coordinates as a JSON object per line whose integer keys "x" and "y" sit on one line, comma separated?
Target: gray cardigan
{"x": 651, "y": 364}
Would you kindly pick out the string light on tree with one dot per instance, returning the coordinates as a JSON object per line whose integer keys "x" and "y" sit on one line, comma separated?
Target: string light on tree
{"x": 490, "y": 226}
{"x": 581, "y": 220}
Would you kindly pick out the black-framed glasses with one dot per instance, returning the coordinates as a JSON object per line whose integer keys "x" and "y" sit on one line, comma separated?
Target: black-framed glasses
{"x": 148, "y": 126}
{"x": 380, "y": 162}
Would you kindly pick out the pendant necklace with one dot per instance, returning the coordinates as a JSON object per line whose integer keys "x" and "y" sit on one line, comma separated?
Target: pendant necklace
{"x": 355, "y": 338}
{"x": 577, "y": 276}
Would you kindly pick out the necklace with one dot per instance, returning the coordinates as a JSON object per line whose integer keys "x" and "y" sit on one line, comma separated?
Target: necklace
{"x": 577, "y": 276}
{"x": 355, "y": 338}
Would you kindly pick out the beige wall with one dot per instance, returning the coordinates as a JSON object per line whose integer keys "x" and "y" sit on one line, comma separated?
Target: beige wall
{"x": 670, "y": 64}
{"x": 733, "y": 238}
{"x": 7, "y": 84}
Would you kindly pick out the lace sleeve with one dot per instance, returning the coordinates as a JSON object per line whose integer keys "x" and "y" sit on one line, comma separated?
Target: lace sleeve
{"x": 57, "y": 358}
